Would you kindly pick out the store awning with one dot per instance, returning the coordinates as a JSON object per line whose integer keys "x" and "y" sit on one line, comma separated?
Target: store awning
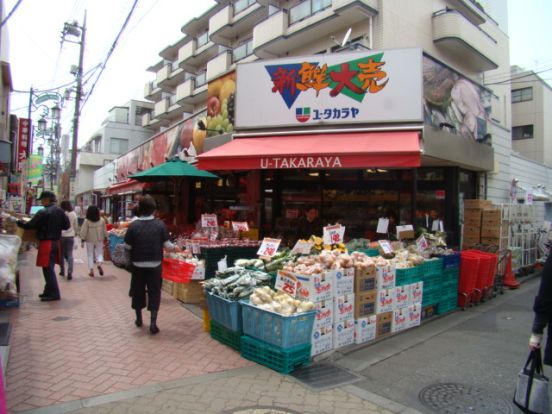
{"x": 126, "y": 187}
{"x": 317, "y": 151}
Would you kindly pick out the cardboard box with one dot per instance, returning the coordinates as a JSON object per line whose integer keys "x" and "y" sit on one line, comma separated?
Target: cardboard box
{"x": 168, "y": 286}
{"x": 316, "y": 287}
{"x": 414, "y": 315}
{"x": 365, "y": 280}
{"x": 472, "y": 232}
{"x": 406, "y": 234}
{"x": 325, "y": 313}
{"x": 191, "y": 292}
{"x": 344, "y": 281}
{"x": 401, "y": 296}
{"x": 491, "y": 232}
{"x": 365, "y": 303}
{"x": 494, "y": 241}
{"x": 365, "y": 329}
{"x": 472, "y": 217}
{"x": 344, "y": 333}
{"x": 385, "y": 277}
{"x": 344, "y": 308}
{"x": 478, "y": 203}
{"x": 492, "y": 215}
{"x": 321, "y": 340}
{"x": 416, "y": 292}
{"x": 400, "y": 317}
{"x": 384, "y": 324}
{"x": 385, "y": 300}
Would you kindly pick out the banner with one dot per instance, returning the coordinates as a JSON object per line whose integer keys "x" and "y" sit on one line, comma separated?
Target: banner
{"x": 35, "y": 168}
{"x": 23, "y": 144}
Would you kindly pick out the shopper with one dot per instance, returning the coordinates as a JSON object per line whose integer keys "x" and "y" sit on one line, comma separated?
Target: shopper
{"x": 48, "y": 223}
{"x": 68, "y": 240}
{"x": 543, "y": 312}
{"x": 94, "y": 232}
{"x": 146, "y": 238}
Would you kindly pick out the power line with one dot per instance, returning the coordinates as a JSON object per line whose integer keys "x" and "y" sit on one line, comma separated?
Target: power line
{"x": 11, "y": 12}
{"x": 111, "y": 50}
{"x": 526, "y": 75}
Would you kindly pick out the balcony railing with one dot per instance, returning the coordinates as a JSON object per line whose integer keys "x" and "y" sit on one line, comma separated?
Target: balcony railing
{"x": 241, "y": 5}
{"x": 200, "y": 79}
{"x": 306, "y": 9}
{"x": 202, "y": 40}
{"x": 242, "y": 51}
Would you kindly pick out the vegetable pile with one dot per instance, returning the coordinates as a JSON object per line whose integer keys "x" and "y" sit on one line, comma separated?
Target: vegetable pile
{"x": 279, "y": 302}
{"x": 236, "y": 282}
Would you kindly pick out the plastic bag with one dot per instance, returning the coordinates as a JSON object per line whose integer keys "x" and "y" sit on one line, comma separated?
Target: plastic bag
{"x": 9, "y": 248}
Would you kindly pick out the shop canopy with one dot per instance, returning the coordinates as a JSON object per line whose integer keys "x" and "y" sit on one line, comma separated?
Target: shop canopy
{"x": 126, "y": 187}
{"x": 317, "y": 151}
{"x": 174, "y": 168}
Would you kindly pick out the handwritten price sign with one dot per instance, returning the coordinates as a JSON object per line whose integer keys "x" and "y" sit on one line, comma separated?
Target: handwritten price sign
{"x": 385, "y": 246}
{"x": 422, "y": 243}
{"x": 334, "y": 234}
{"x": 209, "y": 220}
{"x": 269, "y": 247}
{"x": 240, "y": 226}
{"x": 286, "y": 282}
{"x": 302, "y": 247}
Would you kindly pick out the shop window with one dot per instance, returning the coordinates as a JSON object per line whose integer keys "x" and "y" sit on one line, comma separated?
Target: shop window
{"x": 431, "y": 208}
{"x": 522, "y": 95}
{"x": 522, "y": 132}
{"x": 379, "y": 174}
{"x": 431, "y": 174}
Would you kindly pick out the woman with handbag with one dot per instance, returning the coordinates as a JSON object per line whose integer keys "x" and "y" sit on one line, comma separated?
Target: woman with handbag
{"x": 94, "y": 232}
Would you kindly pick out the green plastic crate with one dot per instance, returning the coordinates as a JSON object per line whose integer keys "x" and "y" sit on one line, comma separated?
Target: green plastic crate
{"x": 225, "y": 335}
{"x": 432, "y": 266}
{"x": 408, "y": 275}
{"x": 447, "y": 306}
{"x": 371, "y": 252}
{"x": 281, "y": 360}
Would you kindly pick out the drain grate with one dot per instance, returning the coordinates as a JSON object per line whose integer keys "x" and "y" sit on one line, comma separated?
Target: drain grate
{"x": 451, "y": 398}
{"x": 260, "y": 410}
{"x": 324, "y": 376}
{"x": 61, "y": 318}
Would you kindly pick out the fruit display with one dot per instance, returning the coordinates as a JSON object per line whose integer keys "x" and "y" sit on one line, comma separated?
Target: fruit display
{"x": 220, "y": 106}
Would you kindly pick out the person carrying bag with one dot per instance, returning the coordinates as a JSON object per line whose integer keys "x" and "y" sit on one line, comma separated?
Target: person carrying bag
{"x": 531, "y": 394}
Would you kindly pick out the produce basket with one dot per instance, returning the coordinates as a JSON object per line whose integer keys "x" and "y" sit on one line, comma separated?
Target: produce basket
{"x": 276, "y": 329}
{"x": 225, "y": 312}
{"x": 432, "y": 266}
{"x": 469, "y": 268}
{"x": 178, "y": 271}
{"x": 282, "y": 360}
{"x": 451, "y": 261}
{"x": 225, "y": 336}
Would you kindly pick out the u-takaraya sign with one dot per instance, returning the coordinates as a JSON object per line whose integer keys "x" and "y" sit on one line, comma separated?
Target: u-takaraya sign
{"x": 343, "y": 88}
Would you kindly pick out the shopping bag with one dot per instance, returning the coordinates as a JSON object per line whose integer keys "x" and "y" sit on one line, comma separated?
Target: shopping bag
{"x": 121, "y": 257}
{"x": 531, "y": 394}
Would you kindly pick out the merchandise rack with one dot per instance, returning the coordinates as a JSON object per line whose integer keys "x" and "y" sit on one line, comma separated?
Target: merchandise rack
{"x": 523, "y": 235}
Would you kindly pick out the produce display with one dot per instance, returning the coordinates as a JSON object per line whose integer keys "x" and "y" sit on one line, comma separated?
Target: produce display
{"x": 236, "y": 283}
{"x": 275, "y": 301}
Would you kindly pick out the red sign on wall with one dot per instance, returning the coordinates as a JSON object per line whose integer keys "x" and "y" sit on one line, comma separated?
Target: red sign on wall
{"x": 23, "y": 139}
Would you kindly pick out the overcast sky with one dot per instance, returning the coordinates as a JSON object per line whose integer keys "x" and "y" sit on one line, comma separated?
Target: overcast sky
{"x": 38, "y": 60}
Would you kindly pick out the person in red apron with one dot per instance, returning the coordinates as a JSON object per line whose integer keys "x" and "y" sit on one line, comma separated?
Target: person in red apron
{"x": 48, "y": 223}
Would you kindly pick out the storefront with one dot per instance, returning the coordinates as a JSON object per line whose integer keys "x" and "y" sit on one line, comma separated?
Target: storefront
{"x": 360, "y": 136}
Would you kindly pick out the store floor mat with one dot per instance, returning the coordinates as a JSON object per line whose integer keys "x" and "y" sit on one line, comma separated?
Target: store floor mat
{"x": 5, "y": 330}
{"x": 322, "y": 376}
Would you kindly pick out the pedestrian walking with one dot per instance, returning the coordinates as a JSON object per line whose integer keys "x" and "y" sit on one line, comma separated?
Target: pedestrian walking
{"x": 93, "y": 233}
{"x": 68, "y": 240}
{"x": 542, "y": 308}
{"x": 48, "y": 222}
{"x": 146, "y": 237}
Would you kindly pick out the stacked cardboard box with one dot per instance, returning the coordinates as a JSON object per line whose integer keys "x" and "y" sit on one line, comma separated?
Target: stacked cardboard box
{"x": 483, "y": 224}
{"x": 494, "y": 230}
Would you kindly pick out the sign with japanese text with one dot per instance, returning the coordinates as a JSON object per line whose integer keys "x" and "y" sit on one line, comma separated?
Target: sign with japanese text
{"x": 385, "y": 246}
{"x": 23, "y": 142}
{"x": 421, "y": 243}
{"x": 209, "y": 220}
{"x": 240, "y": 226}
{"x": 286, "y": 282}
{"x": 302, "y": 247}
{"x": 343, "y": 88}
{"x": 269, "y": 247}
{"x": 334, "y": 234}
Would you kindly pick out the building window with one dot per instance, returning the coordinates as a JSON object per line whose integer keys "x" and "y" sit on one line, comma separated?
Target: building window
{"x": 522, "y": 95}
{"x": 522, "y": 132}
{"x": 202, "y": 39}
{"x": 242, "y": 51}
{"x": 241, "y": 5}
{"x": 306, "y": 9}
{"x": 118, "y": 146}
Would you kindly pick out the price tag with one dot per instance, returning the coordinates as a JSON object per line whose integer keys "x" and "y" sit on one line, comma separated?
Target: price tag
{"x": 385, "y": 246}
{"x": 383, "y": 225}
{"x": 334, "y": 234}
{"x": 286, "y": 282}
{"x": 422, "y": 243}
{"x": 269, "y": 247}
{"x": 196, "y": 249}
{"x": 213, "y": 235}
{"x": 209, "y": 220}
{"x": 302, "y": 247}
{"x": 240, "y": 226}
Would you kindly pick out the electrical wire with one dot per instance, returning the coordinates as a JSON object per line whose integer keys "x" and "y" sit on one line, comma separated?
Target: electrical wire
{"x": 11, "y": 12}
{"x": 526, "y": 75}
{"x": 111, "y": 50}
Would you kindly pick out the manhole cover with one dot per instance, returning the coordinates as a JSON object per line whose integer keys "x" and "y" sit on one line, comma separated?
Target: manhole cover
{"x": 324, "y": 376}
{"x": 453, "y": 398}
{"x": 61, "y": 318}
{"x": 260, "y": 410}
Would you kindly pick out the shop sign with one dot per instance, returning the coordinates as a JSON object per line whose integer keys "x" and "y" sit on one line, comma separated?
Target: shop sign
{"x": 209, "y": 220}
{"x": 275, "y": 163}
{"x": 23, "y": 142}
{"x": 341, "y": 88}
{"x": 269, "y": 247}
{"x": 240, "y": 226}
{"x": 286, "y": 282}
{"x": 302, "y": 247}
{"x": 334, "y": 234}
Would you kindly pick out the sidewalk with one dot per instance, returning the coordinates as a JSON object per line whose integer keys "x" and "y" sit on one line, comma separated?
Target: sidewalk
{"x": 83, "y": 354}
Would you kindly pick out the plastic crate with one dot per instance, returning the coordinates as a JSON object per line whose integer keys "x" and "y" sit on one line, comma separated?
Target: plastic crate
{"x": 225, "y": 336}
{"x": 432, "y": 282}
{"x": 407, "y": 275}
{"x": 429, "y": 311}
{"x": 447, "y": 306}
{"x": 451, "y": 261}
{"x": 282, "y": 360}
{"x": 177, "y": 270}
{"x": 431, "y": 298}
{"x": 432, "y": 267}
{"x": 276, "y": 329}
{"x": 371, "y": 252}
{"x": 225, "y": 312}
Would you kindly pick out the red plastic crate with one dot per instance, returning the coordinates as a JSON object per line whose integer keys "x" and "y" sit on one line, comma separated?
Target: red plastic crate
{"x": 485, "y": 274}
{"x": 469, "y": 268}
{"x": 178, "y": 271}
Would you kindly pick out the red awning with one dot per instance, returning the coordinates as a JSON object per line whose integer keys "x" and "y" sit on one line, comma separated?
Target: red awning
{"x": 319, "y": 151}
{"x": 126, "y": 187}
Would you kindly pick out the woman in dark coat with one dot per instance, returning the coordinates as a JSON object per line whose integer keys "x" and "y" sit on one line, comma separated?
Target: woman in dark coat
{"x": 543, "y": 312}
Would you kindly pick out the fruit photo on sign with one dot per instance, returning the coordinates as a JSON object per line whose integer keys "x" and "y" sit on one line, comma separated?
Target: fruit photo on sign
{"x": 220, "y": 105}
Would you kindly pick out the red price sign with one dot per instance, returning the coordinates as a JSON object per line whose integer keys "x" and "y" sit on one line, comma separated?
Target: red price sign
{"x": 302, "y": 247}
{"x": 286, "y": 282}
{"x": 209, "y": 220}
{"x": 240, "y": 226}
{"x": 269, "y": 247}
{"x": 334, "y": 234}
